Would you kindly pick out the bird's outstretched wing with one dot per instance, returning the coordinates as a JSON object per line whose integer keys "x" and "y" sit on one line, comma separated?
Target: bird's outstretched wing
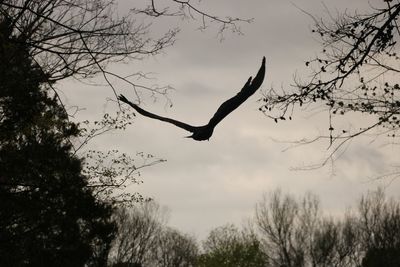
{"x": 231, "y": 104}
{"x": 204, "y": 132}
{"x": 180, "y": 124}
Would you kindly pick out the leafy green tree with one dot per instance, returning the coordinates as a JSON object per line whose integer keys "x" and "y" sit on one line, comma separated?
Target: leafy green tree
{"x": 226, "y": 246}
{"x": 48, "y": 214}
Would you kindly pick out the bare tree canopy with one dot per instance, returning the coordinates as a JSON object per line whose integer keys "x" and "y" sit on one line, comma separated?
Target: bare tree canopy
{"x": 296, "y": 233}
{"x": 80, "y": 38}
{"x": 138, "y": 232}
{"x": 357, "y": 72}
{"x": 144, "y": 240}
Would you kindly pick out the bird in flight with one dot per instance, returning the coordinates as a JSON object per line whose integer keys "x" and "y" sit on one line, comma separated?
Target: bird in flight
{"x": 201, "y": 133}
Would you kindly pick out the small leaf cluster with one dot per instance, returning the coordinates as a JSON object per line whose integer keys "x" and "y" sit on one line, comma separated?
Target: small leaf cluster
{"x": 112, "y": 173}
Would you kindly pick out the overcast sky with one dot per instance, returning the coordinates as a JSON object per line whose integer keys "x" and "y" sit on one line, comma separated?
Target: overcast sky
{"x": 207, "y": 184}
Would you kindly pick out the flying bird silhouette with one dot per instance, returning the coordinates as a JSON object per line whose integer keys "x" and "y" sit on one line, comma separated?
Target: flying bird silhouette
{"x": 201, "y": 133}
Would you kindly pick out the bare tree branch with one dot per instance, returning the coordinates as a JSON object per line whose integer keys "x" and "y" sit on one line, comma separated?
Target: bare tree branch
{"x": 356, "y": 73}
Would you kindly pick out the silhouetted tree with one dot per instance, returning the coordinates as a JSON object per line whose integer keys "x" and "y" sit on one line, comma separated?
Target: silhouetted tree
{"x": 52, "y": 210}
{"x": 139, "y": 228}
{"x": 380, "y": 224}
{"x": 291, "y": 232}
{"x": 286, "y": 227}
{"x": 228, "y": 246}
{"x": 336, "y": 242}
{"x": 48, "y": 215}
{"x": 294, "y": 232}
{"x": 356, "y": 73}
{"x": 175, "y": 249}
{"x": 80, "y": 38}
{"x": 144, "y": 240}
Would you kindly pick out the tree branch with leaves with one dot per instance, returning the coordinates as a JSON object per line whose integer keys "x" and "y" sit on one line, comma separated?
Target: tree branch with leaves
{"x": 355, "y": 73}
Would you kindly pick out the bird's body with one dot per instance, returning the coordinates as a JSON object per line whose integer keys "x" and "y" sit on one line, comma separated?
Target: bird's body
{"x": 201, "y": 133}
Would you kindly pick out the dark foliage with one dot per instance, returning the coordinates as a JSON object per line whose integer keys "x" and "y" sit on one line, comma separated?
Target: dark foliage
{"x": 227, "y": 246}
{"x": 48, "y": 216}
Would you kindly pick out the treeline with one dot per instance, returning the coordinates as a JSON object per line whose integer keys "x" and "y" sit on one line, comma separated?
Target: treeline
{"x": 285, "y": 231}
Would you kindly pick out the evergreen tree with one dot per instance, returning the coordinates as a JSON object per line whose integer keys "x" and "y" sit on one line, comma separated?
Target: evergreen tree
{"x": 48, "y": 214}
